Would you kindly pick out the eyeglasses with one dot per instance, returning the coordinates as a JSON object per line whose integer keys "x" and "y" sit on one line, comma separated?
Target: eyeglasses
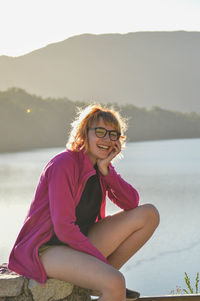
{"x": 102, "y": 132}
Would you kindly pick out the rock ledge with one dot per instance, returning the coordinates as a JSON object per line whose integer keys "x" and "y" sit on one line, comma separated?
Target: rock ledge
{"x": 14, "y": 287}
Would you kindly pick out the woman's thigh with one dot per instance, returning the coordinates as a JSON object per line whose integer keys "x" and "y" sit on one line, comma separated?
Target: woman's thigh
{"x": 65, "y": 263}
{"x": 107, "y": 234}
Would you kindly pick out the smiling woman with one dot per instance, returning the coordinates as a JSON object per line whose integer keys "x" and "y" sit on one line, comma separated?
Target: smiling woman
{"x": 66, "y": 231}
{"x": 86, "y": 119}
{"x": 100, "y": 132}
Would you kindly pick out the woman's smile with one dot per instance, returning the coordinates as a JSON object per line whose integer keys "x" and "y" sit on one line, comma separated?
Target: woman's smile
{"x": 100, "y": 148}
{"x": 104, "y": 147}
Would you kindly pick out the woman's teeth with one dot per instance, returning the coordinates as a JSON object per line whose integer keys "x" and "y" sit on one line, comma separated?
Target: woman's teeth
{"x": 103, "y": 146}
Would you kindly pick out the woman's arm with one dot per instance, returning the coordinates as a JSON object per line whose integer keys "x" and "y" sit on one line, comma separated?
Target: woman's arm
{"x": 119, "y": 191}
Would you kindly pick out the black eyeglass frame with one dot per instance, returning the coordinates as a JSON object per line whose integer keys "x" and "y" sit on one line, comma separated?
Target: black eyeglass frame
{"x": 107, "y": 131}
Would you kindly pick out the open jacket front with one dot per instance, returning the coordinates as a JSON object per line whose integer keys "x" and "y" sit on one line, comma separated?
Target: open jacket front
{"x": 53, "y": 210}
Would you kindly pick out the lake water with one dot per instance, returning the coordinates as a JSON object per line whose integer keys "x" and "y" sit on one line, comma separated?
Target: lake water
{"x": 165, "y": 173}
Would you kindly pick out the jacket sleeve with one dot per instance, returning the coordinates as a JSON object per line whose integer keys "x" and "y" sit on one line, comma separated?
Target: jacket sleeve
{"x": 119, "y": 191}
{"x": 62, "y": 209}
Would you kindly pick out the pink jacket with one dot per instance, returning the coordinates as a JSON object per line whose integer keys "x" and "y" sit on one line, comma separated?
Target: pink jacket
{"x": 53, "y": 210}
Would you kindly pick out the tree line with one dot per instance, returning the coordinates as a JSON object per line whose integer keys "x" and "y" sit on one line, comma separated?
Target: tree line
{"x": 29, "y": 121}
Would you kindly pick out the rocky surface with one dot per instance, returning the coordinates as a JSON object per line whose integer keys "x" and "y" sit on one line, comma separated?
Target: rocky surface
{"x": 14, "y": 287}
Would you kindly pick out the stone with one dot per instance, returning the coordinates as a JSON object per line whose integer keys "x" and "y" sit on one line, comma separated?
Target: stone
{"x": 11, "y": 285}
{"x": 19, "y": 298}
{"x": 53, "y": 289}
{"x": 80, "y": 294}
{"x": 14, "y": 287}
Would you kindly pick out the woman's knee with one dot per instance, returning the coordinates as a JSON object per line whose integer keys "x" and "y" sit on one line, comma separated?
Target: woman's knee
{"x": 151, "y": 213}
{"x": 116, "y": 286}
{"x": 118, "y": 280}
{"x": 146, "y": 214}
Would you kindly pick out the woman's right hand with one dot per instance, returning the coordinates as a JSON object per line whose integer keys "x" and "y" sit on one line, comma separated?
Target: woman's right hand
{"x": 104, "y": 163}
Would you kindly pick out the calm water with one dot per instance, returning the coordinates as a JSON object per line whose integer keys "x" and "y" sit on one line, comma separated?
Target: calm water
{"x": 166, "y": 174}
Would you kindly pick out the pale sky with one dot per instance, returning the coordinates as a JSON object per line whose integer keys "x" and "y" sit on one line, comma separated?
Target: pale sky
{"x": 26, "y": 25}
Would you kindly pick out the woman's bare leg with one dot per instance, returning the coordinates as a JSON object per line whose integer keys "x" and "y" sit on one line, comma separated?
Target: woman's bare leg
{"x": 120, "y": 236}
{"x": 65, "y": 263}
{"x": 117, "y": 237}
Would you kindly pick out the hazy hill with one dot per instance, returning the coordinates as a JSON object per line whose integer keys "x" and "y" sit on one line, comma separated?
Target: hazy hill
{"x": 28, "y": 121}
{"x": 144, "y": 68}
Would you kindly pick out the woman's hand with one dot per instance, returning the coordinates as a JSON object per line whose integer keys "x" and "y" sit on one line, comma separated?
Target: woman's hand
{"x": 103, "y": 163}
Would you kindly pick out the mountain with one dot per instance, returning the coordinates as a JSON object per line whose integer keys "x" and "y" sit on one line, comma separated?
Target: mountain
{"x": 144, "y": 69}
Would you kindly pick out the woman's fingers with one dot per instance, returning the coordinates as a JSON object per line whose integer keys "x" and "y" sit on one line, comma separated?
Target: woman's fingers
{"x": 117, "y": 148}
{"x": 103, "y": 163}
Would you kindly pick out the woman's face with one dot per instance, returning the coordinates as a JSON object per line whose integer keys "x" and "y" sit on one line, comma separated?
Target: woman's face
{"x": 99, "y": 148}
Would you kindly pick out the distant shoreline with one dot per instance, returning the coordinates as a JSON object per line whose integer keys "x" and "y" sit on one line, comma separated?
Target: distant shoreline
{"x": 64, "y": 147}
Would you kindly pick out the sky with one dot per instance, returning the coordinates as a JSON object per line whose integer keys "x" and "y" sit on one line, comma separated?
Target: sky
{"x": 26, "y": 25}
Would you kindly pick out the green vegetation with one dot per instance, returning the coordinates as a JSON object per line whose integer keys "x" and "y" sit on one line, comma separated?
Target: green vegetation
{"x": 191, "y": 290}
{"x": 28, "y": 121}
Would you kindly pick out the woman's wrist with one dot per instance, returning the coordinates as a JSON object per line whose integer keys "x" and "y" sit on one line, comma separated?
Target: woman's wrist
{"x": 104, "y": 171}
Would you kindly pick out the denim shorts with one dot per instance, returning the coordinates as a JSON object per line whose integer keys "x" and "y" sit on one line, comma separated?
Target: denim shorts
{"x": 43, "y": 248}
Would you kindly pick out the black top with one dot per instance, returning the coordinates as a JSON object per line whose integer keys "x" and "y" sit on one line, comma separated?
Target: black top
{"x": 88, "y": 208}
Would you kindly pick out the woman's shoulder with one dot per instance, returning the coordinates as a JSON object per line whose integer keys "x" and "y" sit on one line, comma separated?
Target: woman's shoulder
{"x": 63, "y": 160}
{"x": 66, "y": 155}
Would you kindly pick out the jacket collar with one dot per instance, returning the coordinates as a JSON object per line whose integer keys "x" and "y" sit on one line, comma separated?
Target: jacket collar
{"x": 85, "y": 162}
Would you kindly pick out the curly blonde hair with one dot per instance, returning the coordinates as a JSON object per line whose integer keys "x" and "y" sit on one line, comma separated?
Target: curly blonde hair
{"x": 78, "y": 138}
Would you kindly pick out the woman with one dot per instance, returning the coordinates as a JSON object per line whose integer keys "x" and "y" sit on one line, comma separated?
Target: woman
{"x": 66, "y": 234}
